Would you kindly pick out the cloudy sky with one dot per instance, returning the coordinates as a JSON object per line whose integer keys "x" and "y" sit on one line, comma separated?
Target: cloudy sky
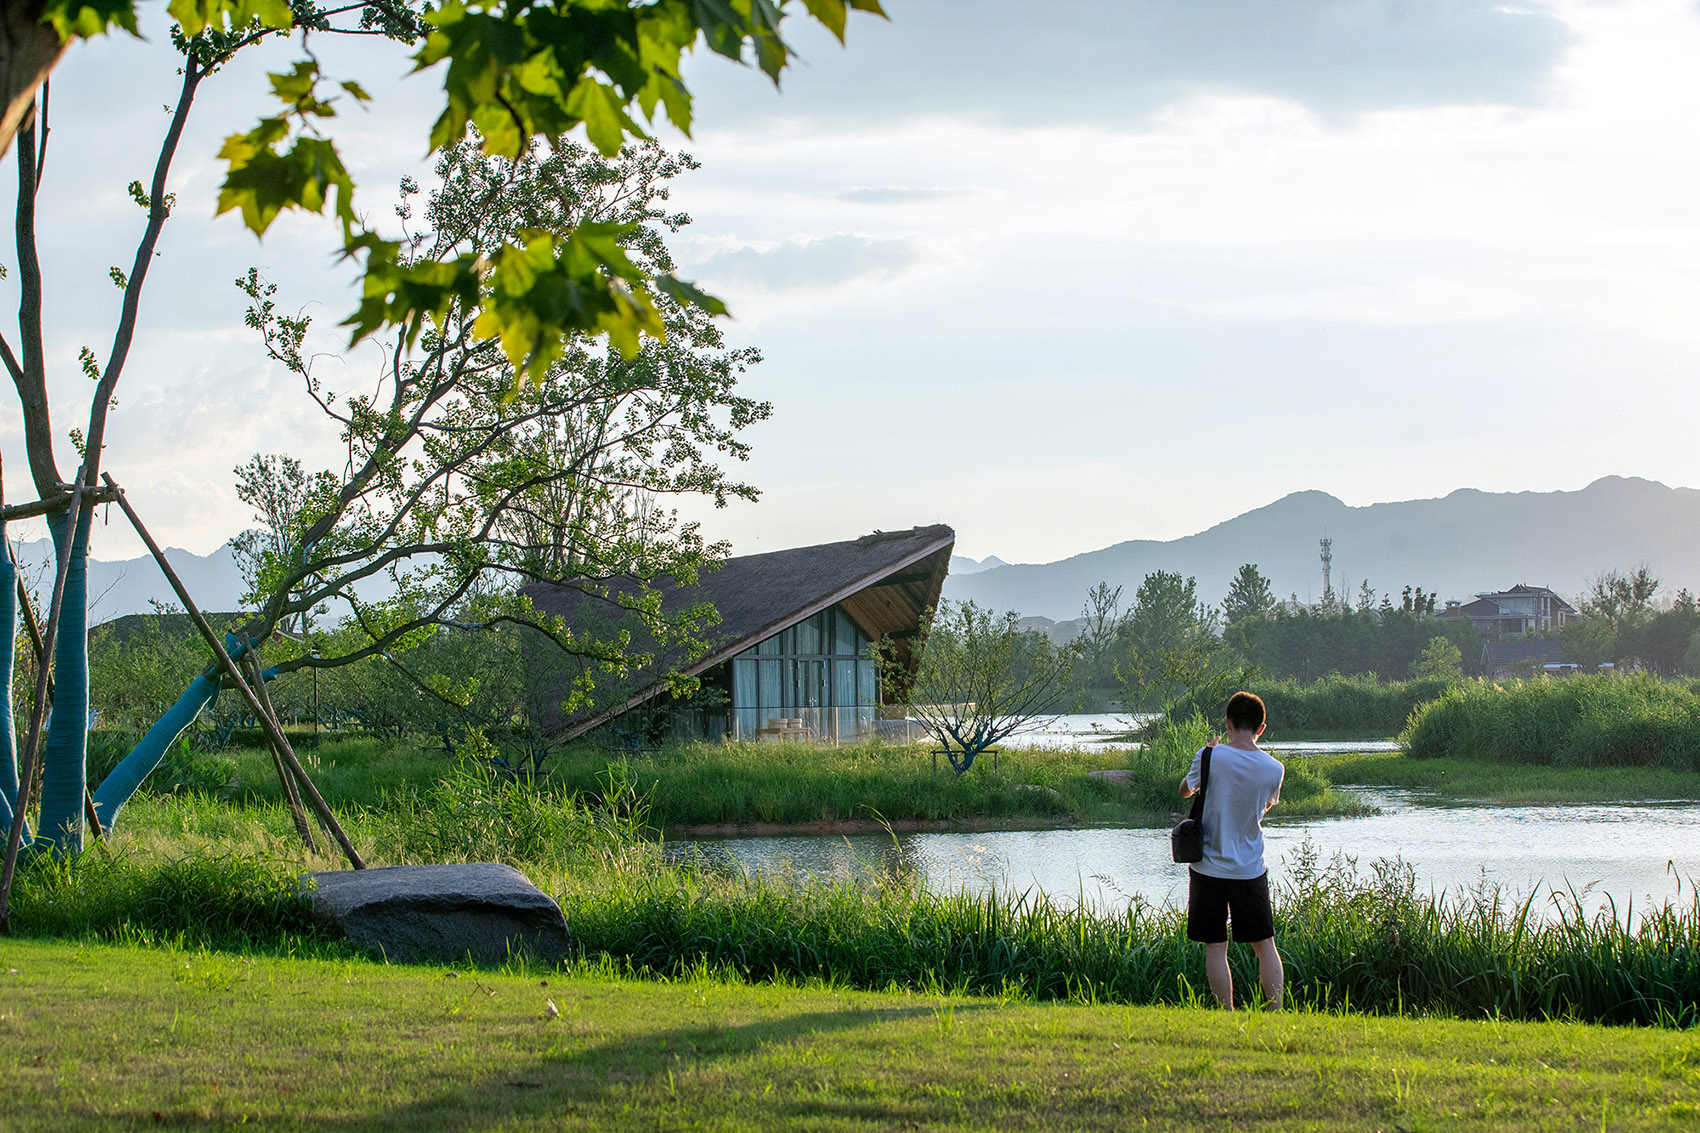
{"x": 1059, "y": 274}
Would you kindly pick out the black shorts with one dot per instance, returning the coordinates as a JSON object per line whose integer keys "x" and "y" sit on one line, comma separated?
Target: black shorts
{"x": 1211, "y": 900}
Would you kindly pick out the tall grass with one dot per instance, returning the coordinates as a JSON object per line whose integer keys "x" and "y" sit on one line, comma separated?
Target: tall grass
{"x": 232, "y": 901}
{"x": 1351, "y": 942}
{"x": 1578, "y": 721}
{"x": 471, "y": 815}
{"x": 701, "y": 784}
{"x": 200, "y": 871}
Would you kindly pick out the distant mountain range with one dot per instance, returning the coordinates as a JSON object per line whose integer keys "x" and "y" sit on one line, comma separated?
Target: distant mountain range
{"x": 1457, "y": 546}
{"x": 128, "y": 586}
{"x": 962, "y": 564}
{"x": 1465, "y": 543}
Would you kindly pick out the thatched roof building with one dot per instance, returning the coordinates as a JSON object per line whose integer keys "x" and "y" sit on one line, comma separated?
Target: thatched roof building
{"x": 791, "y": 654}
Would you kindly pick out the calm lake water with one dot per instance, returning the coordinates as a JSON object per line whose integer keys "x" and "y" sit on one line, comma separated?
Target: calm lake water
{"x": 1091, "y": 730}
{"x": 1622, "y": 857}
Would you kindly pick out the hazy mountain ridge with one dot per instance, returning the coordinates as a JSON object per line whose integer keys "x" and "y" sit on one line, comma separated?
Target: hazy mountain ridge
{"x": 1458, "y": 545}
{"x": 962, "y": 564}
{"x": 129, "y": 586}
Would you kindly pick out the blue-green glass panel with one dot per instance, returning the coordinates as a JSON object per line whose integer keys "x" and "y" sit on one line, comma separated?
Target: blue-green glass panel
{"x": 843, "y": 683}
{"x": 809, "y": 634}
{"x": 866, "y": 691}
{"x": 810, "y": 684}
{"x": 845, "y": 634}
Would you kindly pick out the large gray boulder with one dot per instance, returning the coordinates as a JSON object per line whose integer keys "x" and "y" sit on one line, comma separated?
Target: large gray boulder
{"x": 441, "y": 912}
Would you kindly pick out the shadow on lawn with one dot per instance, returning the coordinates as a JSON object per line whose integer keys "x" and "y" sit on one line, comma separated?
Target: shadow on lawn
{"x": 583, "y": 1071}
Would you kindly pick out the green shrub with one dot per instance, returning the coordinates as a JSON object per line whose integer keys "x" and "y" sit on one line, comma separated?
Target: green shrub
{"x": 1364, "y": 705}
{"x": 186, "y": 767}
{"x": 1357, "y": 706}
{"x": 1578, "y": 721}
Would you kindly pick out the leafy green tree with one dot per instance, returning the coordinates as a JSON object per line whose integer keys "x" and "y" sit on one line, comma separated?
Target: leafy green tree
{"x": 1103, "y": 616}
{"x": 1658, "y": 639}
{"x": 276, "y": 488}
{"x": 1441, "y": 659}
{"x": 141, "y": 663}
{"x": 1620, "y": 599}
{"x": 1588, "y": 642}
{"x": 981, "y": 678}
{"x": 1306, "y": 643}
{"x": 1167, "y": 639}
{"x": 468, "y": 487}
{"x": 516, "y": 71}
{"x": 513, "y": 70}
{"x": 1249, "y": 596}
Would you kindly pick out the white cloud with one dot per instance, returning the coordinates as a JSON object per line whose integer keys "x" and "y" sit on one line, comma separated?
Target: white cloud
{"x": 1057, "y": 251}
{"x": 811, "y": 262}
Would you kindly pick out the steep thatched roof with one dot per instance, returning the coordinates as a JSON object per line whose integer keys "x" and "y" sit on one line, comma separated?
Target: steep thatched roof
{"x": 884, "y": 581}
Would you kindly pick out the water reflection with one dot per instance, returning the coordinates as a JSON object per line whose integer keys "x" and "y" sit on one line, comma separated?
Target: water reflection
{"x": 1627, "y": 858}
{"x": 1094, "y": 730}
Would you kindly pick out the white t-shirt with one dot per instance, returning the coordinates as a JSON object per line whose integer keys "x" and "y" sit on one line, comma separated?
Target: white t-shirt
{"x": 1243, "y": 784}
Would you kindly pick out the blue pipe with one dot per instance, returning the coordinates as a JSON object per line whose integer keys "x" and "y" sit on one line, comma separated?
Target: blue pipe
{"x": 126, "y": 779}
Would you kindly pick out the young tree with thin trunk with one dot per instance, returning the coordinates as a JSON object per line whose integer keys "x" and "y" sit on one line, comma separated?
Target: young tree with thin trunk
{"x": 982, "y": 679}
{"x": 517, "y": 71}
{"x": 462, "y": 484}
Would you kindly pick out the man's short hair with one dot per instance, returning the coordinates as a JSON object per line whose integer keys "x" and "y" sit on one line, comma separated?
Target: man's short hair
{"x": 1246, "y": 712}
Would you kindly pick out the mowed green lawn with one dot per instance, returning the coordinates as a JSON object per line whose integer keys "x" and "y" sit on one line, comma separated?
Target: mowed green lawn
{"x": 102, "y": 1036}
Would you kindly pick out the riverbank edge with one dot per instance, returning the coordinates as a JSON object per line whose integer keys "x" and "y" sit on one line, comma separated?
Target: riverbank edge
{"x": 855, "y": 826}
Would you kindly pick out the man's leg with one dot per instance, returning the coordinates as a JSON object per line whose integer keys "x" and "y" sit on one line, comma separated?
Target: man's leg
{"x": 1269, "y": 971}
{"x": 1221, "y": 979}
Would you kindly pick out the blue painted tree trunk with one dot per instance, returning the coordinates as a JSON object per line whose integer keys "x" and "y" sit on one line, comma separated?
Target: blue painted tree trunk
{"x": 65, "y": 746}
{"x": 64, "y": 775}
{"x": 118, "y": 787}
{"x": 8, "y": 658}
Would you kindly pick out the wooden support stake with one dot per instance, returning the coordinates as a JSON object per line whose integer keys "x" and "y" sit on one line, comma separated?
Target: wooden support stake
{"x": 274, "y": 733}
{"x": 290, "y": 793}
{"x": 26, "y": 773}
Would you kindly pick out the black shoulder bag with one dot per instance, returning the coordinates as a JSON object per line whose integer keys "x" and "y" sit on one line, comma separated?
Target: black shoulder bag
{"x": 1187, "y": 838}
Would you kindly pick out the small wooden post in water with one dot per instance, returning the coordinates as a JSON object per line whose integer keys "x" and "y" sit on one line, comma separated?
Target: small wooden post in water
{"x": 274, "y": 733}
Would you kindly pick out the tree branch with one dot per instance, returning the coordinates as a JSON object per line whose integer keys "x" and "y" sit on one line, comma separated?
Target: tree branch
{"x": 158, "y": 210}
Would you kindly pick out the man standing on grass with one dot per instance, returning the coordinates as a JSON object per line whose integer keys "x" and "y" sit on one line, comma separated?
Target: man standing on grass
{"x": 1231, "y": 879}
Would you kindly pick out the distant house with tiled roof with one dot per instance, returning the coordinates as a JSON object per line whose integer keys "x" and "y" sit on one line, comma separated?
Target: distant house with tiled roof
{"x": 1508, "y": 613}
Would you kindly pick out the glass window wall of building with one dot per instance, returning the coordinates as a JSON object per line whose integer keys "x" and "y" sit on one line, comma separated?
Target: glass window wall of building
{"x": 815, "y": 680}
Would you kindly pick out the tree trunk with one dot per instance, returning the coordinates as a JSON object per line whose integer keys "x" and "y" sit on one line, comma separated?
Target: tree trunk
{"x": 64, "y": 776}
{"x": 8, "y": 657}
